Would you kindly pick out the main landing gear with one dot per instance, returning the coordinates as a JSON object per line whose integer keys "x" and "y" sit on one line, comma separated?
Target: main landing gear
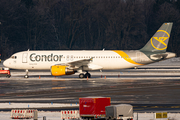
{"x": 26, "y": 76}
{"x": 85, "y": 75}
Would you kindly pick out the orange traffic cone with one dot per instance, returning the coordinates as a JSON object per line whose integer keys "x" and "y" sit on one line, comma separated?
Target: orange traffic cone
{"x": 39, "y": 77}
{"x": 104, "y": 77}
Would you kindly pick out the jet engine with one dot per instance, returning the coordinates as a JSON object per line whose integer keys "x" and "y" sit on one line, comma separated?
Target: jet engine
{"x": 58, "y": 70}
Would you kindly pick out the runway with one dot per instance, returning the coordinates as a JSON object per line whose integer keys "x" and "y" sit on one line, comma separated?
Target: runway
{"x": 146, "y": 88}
{"x": 141, "y": 91}
{"x": 120, "y": 91}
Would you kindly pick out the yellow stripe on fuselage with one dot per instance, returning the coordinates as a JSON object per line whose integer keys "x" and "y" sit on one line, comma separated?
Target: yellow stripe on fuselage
{"x": 126, "y": 57}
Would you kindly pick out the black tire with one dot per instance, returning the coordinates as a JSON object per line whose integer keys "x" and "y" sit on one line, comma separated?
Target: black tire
{"x": 87, "y": 75}
{"x": 26, "y": 76}
{"x": 8, "y": 76}
{"x": 81, "y": 75}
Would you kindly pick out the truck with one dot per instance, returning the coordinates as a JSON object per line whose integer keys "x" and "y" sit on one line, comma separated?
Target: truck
{"x": 93, "y": 107}
{"x": 119, "y": 112}
{"x": 5, "y": 72}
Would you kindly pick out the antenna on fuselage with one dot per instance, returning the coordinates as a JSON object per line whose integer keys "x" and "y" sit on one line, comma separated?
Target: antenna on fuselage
{"x": 28, "y": 50}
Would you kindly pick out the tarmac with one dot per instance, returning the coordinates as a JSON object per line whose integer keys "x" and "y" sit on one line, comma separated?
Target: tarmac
{"x": 148, "y": 88}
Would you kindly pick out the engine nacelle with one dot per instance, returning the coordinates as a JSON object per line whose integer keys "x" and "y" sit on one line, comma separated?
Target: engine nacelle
{"x": 58, "y": 70}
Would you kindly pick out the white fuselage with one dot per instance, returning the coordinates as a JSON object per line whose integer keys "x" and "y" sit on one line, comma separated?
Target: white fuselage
{"x": 103, "y": 60}
{"x": 43, "y": 60}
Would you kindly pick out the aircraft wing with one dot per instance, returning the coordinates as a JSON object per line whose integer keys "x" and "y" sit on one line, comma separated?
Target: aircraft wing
{"x": 77, "y": 64}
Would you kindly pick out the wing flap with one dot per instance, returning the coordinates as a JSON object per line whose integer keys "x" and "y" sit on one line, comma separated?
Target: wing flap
{"x": 77, "y": 64}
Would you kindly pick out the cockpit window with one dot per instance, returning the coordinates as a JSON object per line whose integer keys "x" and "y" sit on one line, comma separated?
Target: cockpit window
{"x": 13, "y": 57}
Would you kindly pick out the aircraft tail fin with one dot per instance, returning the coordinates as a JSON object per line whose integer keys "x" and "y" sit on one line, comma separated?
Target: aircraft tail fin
{"x": 159, "y": 41}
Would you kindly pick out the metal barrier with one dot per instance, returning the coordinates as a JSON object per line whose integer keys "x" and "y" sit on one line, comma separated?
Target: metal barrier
{"x": 22, "y": 113}
{"x": 70, "y": 114}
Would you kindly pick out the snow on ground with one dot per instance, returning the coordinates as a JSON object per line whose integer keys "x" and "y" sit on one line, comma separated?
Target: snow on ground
{"x": 41, "y": 114}
{"x": 49, "y": 115}
{"x": 57, "y": 116}
{"x": 34, "y": 105}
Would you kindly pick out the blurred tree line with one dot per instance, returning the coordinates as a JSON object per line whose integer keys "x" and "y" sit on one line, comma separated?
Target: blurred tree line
{"x": 84, "y": 24}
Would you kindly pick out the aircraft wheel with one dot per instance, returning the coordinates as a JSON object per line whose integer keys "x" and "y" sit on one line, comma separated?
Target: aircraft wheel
{"x": 26, "y": 76}
{"x": 87, "y": 75}
{"x": 8, "y": 76}
{"x": 81, "y": 75}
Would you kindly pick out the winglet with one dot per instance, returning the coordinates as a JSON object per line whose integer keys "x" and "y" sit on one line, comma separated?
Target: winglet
{"x": 159, "y": 41}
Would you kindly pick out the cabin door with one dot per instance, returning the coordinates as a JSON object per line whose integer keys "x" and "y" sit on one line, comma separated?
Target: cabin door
{"x": 24, "y": 58}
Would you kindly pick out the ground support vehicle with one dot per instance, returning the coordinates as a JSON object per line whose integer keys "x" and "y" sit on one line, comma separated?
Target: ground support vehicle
{"x": 119, "y": 112}
{"x": 5, "y": 72}
{"x": 93, "y": 107}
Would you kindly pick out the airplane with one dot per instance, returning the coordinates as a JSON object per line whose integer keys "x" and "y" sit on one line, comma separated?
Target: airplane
{"x": 63, "y": 62}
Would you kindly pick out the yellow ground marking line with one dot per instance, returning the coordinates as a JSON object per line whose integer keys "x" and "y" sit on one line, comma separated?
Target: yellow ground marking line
{"x": 55, "y": 88}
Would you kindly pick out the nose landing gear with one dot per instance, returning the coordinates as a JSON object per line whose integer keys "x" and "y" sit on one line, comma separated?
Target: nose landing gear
{"x": 26, "y": 76}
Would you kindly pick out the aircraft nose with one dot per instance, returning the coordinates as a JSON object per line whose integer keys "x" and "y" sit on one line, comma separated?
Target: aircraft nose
{"x": 6, "y": 63}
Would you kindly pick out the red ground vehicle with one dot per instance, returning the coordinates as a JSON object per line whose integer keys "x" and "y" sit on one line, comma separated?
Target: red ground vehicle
{"x": 5, "y": 72}
{"x": 93, "y": 107}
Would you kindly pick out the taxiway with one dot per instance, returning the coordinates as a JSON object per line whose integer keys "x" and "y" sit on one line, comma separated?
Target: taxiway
{"x": 144, "y": 87}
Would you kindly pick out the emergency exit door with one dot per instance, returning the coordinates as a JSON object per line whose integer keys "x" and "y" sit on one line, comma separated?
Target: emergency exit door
{"x": 24, "y": 58}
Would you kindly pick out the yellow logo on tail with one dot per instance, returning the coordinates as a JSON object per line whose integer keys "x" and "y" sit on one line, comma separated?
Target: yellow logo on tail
{"x": 161, "y": 40}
